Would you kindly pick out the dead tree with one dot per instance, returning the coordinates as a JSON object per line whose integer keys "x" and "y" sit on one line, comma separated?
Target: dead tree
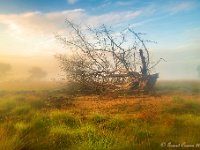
{"x": 103, "y": 60}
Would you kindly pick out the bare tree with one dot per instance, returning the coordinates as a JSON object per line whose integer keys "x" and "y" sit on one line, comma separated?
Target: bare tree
{"x": 105, "y": 60}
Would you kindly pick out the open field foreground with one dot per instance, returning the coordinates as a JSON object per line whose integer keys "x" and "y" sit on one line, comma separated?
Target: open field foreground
{"x": 48, "y": 119}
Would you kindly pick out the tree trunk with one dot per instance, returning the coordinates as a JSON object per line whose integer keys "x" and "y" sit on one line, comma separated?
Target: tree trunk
{"x": 144, "y": 69}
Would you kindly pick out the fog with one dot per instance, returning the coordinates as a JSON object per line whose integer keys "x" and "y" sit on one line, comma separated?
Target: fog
{"x": 30, "y": 68}
{"x": 46, "y": 68}
{"x": 198, "y": 70}
{"x": 4, "y": 69}
{"x": 178, "y": 66}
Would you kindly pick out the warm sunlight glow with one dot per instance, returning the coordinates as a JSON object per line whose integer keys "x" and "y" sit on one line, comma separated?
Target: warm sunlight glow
{"x": 99, "y": 74}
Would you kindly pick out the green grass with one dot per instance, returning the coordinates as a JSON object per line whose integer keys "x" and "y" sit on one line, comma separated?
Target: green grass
{"x": 33, "y": 120}
{"x": 115, "y": 123}
{"x": 98, "y": 118}
{"x": 60, "y": 117}
{"x": 182, "y": 106}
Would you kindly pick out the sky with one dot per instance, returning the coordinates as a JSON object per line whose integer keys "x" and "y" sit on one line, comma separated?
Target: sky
{"x": 28, "y": 29}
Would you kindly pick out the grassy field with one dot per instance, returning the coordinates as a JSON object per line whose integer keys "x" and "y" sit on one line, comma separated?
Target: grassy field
{"x": 40, "y": 116}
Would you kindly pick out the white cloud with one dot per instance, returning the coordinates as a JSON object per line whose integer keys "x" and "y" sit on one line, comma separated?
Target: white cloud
{"x": 112, "y": 18}
{"x": 183, "y": 6}
{"x": 45, "y": 23}
{"x": 71, "y": 1}
{"x": 33, "y": 32}
{"x": 124, "y": 3}
{"x": 37, "y": 22}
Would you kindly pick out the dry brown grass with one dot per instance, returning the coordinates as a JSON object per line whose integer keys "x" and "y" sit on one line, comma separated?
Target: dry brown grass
{"x": 146, "y": 108}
